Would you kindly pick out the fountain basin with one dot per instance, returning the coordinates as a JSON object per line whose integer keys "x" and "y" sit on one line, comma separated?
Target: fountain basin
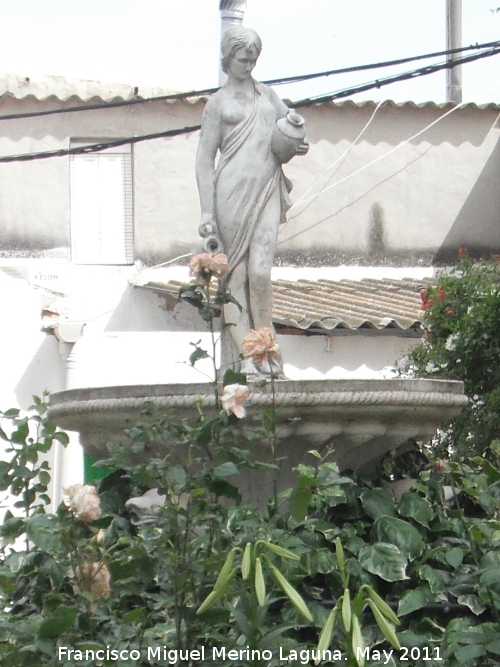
{"x": 361, "y": 419}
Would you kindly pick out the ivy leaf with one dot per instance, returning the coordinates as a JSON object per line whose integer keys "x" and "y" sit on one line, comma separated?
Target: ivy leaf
{"x": 413, "y": 600}
{"x": 384, "y": 560}
{"x": 473, "y": 602}
{"x": 436, "y": 578}
{"x": 415, "y": 507}
{"x": 494, "y": 647}
{"x": 467, "y": 653}
{"x": 377, "y": 503}
{"x": 455, "y": 556}
{"x": 401, "y": 534}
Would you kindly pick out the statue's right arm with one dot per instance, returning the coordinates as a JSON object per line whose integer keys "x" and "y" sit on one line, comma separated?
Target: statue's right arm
{"x": 210, "y": 140}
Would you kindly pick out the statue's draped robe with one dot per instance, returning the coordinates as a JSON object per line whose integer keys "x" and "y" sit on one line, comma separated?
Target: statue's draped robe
{"x": 248, "y": 177}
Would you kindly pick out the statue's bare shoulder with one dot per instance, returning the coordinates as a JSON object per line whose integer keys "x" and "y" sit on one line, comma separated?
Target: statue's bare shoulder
{"x": 278, "y": 104}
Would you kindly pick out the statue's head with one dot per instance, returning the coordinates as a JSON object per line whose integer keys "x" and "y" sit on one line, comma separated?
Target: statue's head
{"x": 236, "y": 38}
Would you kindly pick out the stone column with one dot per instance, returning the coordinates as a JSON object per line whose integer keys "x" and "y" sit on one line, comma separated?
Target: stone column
{"x": 231, "y": 13}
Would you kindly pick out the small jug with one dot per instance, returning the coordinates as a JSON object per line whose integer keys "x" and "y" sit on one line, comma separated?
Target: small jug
{"x": 289, "y": 132}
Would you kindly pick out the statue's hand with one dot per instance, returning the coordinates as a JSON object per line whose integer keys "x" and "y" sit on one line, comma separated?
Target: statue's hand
{"x": 303, "y": 148}
{"x": 207, "y": 226}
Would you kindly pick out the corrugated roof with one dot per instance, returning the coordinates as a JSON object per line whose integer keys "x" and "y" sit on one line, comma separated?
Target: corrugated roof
{"x": 344, "y": 304}
{"x": 44, "y": 87}
{"x": 409, "y": 104}
{"x": 63, "y": 89}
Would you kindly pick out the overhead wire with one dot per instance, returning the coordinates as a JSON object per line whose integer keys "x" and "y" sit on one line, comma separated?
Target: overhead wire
{"x": 270, "y": 82}
{"x": 338, "y": 162}
{"x": 92, "y": 148}
{"x": 395, "y": 78}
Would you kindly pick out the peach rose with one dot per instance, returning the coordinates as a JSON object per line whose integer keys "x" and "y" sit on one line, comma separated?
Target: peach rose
{"x": 205, "y": 265}
{"x": 261, "y": 345}
{"x": 84, "y": 502}
{"x": 233, "y": 397}
{"x": 93, "y": 578}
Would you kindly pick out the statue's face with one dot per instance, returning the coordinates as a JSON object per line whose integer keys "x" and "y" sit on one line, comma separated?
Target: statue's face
{"x": 242, "y": 63}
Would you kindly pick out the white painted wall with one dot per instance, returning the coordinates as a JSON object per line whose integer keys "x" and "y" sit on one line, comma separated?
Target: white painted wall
{"x": 427, "y": 176}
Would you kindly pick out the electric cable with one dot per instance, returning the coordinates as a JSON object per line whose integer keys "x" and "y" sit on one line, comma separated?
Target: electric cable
{"x": 270, "y": 82}
{"x": 423, "y": 71}
{"x": 92, "y": 148}
{"x": 95, "y": 148}
{"x": 337, "y": 163}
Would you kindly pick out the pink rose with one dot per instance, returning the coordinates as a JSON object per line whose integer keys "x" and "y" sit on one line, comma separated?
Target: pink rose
{"x": 233, "y": 397}
{"x": 205, "y": 265}
{"x": 261, "y": 345}
{"x": 84, "y": 502}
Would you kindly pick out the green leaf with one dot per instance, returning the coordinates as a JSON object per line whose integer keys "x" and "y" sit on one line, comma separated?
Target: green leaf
{"x": 197, "y": 354}
{"x": 176, "y": 478}
{"x": 62, "y": 620}
{"x": 436, "y": 578}
{"x": 44, "y": 531}
{"x": 377, "y": 503}
{"x": 491, "y": 472}
{"x": 490, "y": 578}
{"x": 225, "y": 469}
{"x": 11, "y": 529}
{"x": 415, "y": 507}
{"x": 454, "y": 556}
{"x": 13, "y": 412}
{"x": 62, "y": 437}
{"x": 494, "y": 647}
{"x": 400, "y": 533}
{"x": 231, "y": 377}
{"x": 299, "y": 503}
{"x": 134, "y": 616}
{"x": 412, "y": 600}
{"x": 473, "y": 602}
{"x": 384, "y": 560}
{"x": 467, "y": 653}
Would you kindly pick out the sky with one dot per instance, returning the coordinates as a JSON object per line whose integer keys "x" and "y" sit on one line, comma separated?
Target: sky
{"x": 174, "y": 44}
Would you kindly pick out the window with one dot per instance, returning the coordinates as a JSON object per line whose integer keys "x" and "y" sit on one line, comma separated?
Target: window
{"x": 102, "y": 229}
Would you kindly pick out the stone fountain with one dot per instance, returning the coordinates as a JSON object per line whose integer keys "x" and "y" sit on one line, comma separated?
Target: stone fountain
{"x": 244, "y": 198}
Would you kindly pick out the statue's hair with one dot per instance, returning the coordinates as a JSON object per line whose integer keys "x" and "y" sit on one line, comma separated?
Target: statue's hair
{"x": 235, "y": 38}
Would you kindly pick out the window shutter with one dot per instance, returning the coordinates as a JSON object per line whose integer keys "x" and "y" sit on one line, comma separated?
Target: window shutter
{"x": 102, "y": 207}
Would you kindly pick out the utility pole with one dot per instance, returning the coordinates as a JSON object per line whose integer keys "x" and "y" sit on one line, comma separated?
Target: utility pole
{"x": 454, "y": 41}
{"x": 231, "y": 14}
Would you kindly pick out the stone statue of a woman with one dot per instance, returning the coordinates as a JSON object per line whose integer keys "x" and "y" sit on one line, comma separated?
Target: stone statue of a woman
{"x": 244, "y": 195}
